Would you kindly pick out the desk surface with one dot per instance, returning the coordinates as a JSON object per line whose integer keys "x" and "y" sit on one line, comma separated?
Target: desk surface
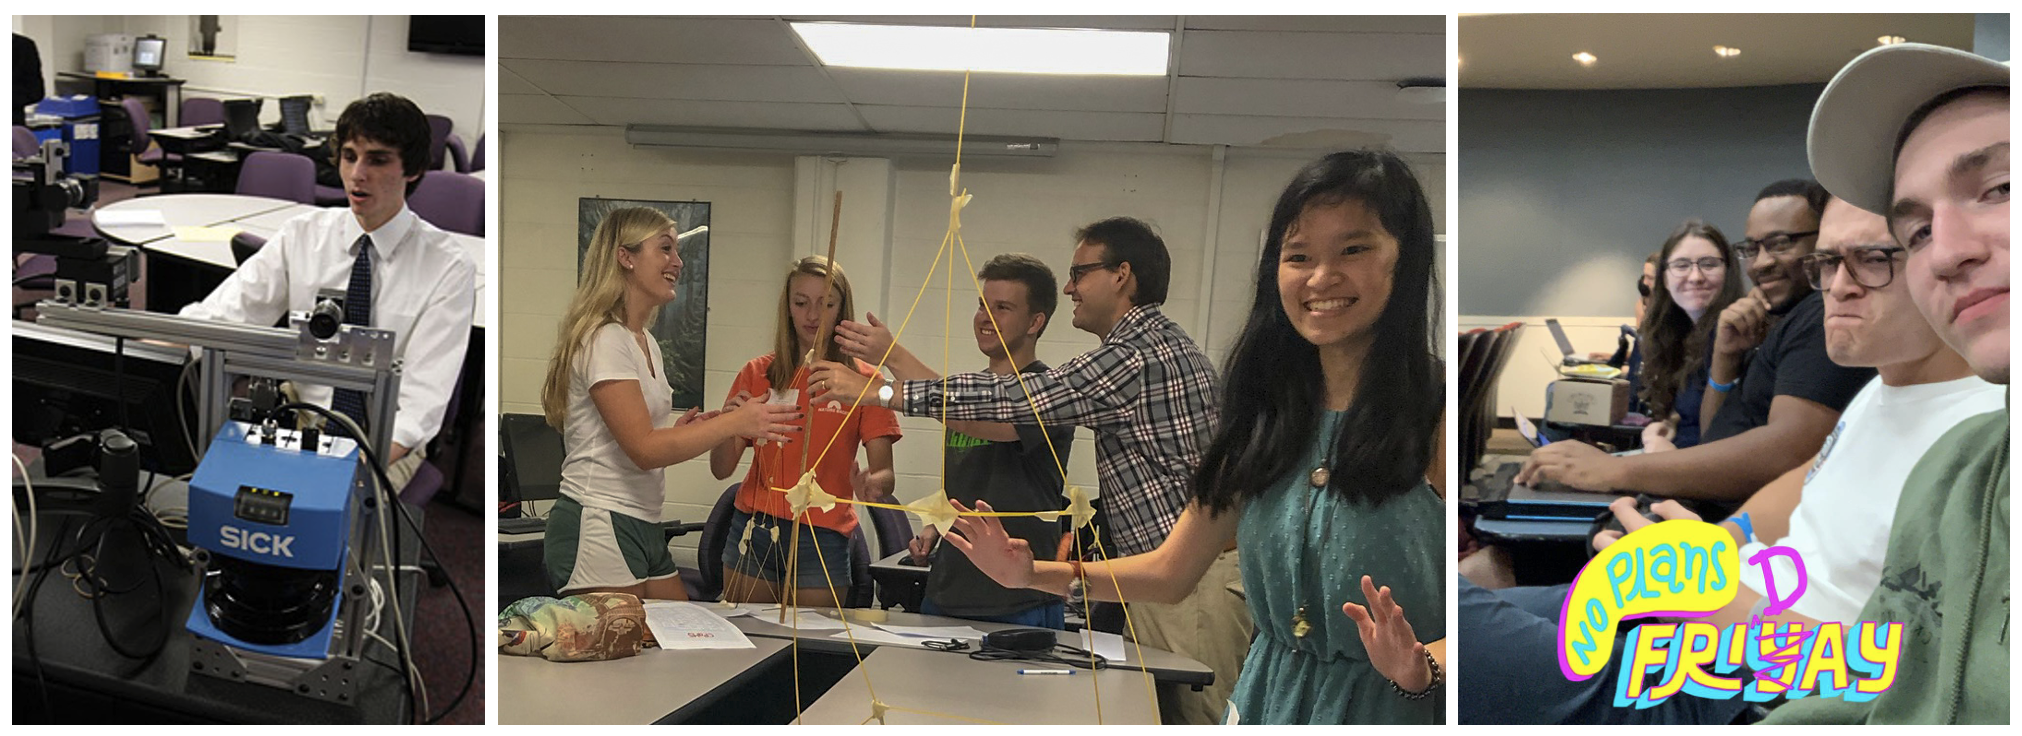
{"x": 970, "y": 691}
{"x": 183, "y": 210}
{"x": 1164, "y": 666}
{"x": 129, "y": 78}
{"x": 631, "y": 691}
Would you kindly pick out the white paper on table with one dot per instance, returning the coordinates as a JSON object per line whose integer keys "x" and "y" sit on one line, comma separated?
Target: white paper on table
{"x": 1111, "y": 646}
{"x": 934, "y": 632}
{"x": 808, "y": 620}
{"x": 685, "y": 625}
{"x": 129, "y": 218}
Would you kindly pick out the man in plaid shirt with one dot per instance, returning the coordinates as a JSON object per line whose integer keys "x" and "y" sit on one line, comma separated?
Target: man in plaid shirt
{"x": 1150, "y": 395}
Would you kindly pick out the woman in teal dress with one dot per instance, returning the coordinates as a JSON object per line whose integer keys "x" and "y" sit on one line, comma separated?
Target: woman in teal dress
{"x": 1330, "y": 427}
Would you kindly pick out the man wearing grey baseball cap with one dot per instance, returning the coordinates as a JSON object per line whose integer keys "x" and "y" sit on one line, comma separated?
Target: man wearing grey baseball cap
{"x": 1919, "y": 134}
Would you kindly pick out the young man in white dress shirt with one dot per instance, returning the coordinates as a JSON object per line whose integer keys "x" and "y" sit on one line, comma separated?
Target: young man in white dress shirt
{"x": 415, "y": 279}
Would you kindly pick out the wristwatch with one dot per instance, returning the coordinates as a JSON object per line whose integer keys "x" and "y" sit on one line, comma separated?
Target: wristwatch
{"x": 885, "y": 395}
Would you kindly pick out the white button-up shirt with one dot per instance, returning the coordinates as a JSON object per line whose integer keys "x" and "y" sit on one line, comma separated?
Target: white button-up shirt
{"x": 423, "y": 289}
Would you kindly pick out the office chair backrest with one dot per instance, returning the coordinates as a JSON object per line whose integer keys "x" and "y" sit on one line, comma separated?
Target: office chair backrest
{"x": 25, "y": 144}
{"x": 438, "y": 139}
{"x": 201, "y": 111}
{"x": 477, "y": 156}
{"x": 244, "y": 245}
{"x": 287, "y": 176}
{"x": 709, "y": 549}
{"x": 137, "y": 114}
{"x": 451, "y": 201}
{"x": 295, "y": 115}
{"x": 242, "y": 118}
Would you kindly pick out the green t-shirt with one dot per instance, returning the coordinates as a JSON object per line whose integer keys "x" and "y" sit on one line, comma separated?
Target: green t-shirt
{"x": 1945, "y": 578}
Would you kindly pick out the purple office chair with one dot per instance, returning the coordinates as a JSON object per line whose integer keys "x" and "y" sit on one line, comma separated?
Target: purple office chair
{"x": 279, "y": 175}
{"x": 137, "y": 113}
{"x": 451, "y": 201}
{"x": 438, "y": 139}
{"x": 25, "y": 144}
{"x": 477, "y": 156}
{"x": 428, "y": 478}
{"x": 201, "y": 111}
{"x": 245, "y": 245}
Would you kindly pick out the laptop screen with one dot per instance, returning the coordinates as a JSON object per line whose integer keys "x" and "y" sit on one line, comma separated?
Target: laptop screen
{"x": 1559, "y": 334}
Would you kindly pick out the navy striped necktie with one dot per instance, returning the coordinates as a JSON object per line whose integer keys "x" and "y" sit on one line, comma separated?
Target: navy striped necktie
{"x": 357, "y": 311}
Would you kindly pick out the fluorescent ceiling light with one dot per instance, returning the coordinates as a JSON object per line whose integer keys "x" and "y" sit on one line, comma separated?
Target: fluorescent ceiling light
{"x": 1584, "y": 58}
{"x": 1020, "y": 50}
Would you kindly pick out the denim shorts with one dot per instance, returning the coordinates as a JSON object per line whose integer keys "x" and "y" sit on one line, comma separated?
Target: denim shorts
{"x": 771, "y": 541}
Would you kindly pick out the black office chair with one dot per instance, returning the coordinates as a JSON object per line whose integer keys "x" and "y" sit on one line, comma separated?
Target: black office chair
{"x": 705, "y": 581}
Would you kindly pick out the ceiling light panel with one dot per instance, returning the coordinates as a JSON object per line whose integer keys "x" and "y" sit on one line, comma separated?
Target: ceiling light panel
{"x": 1016, "y": 50}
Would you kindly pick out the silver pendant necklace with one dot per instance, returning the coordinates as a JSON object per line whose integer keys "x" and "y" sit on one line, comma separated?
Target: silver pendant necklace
{"x": 1318, "y": 479}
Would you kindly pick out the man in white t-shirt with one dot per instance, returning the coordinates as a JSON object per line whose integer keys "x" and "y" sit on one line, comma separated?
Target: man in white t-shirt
{"x": 398, "y": 273}
{"x": 1837, "y": 511}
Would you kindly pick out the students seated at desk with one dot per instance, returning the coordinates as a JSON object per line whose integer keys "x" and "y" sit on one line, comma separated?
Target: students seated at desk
{"x": 1786, "y": 400}
{"x": 1837, "y": 512}
{"x": 606, "y": 391}
{"x": 1699, "y": 279}
{"x": 397, "y": 271}
{"x": 1014, "y": 467}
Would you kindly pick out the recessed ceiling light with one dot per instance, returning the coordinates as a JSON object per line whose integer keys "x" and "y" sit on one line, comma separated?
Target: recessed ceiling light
{"x": 1726, "y": 52}
{"x": 1888, "y": 40}
{"x": 1585, "y": 58}
{"x": 1020, "y": 50}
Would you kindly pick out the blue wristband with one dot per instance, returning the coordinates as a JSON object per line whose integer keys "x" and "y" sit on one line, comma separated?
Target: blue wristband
{"x": 1747, "y": 528}
{"x": 1718, "y": 386}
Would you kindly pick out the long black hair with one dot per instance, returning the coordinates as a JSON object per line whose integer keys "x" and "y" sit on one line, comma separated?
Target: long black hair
{"x": 1273, "y": 389}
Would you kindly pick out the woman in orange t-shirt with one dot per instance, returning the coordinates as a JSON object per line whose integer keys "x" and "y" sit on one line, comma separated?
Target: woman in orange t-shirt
{"x": 761, "y": 531}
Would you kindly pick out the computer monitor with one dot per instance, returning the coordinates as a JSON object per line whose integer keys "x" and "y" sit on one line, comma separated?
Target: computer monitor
{"x": 147, "y": 54}
{"x": 533, "y": 458}
{"x": 68, "y": 383}
{"x": 242, "y": 118}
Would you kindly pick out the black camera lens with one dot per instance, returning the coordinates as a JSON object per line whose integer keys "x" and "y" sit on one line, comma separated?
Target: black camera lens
{"x": 325, "y": 318}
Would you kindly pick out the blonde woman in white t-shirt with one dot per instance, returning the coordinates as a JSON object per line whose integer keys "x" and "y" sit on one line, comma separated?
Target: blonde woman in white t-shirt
{"x": 607, "y": 393}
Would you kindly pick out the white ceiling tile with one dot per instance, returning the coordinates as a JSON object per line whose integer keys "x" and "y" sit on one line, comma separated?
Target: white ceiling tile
{"x": 676, "y": 81}
{"x": 537, "y": 110}
{"x": 1118, "y": 22}
{"x": 1408, "y": 136}
{"x": 763, "y": 115}
{"x": 1085, "y": 126}
{"x": 663, "y": 40}
{"x": 1010, "y": 91}
{"x": 512, "y": 84}
{"x": 1298, "y": 98}
{"x": 1363, "y": 56}
{"x": 1320, "y": 23}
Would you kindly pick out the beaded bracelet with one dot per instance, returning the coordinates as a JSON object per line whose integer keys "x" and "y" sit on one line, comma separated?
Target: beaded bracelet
{"x": 1437, "y": 678}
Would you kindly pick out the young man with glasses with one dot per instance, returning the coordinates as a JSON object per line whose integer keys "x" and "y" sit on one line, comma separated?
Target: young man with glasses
{"x": 1944, "y": 187}
{"x": 1149, "y": 393}
{"x": 1786, "y": 391}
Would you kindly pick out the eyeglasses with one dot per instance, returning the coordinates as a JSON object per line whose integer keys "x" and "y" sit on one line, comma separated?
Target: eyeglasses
{"x": 1074, "y": 273}
{"x": 1777, "y": 244}
{"x": 1872, "y": 266}
{"x": 1683, "y": 266}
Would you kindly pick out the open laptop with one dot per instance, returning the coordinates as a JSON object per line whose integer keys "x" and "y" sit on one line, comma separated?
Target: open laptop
{"x": 1566, "y": 346}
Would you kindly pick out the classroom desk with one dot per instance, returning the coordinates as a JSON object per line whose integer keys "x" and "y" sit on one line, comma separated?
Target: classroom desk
{"x": 970, "y": 690}
{"x": 91, "y": 682}
{"x": 1165, "y": 667}
{"x": 184, "y": 210}
{"x": 657, "y": 686}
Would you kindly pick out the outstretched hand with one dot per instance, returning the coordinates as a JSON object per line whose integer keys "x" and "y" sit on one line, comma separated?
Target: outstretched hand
{"x": 1006, "y": 559}
{"x": 1393, "y": 647}
{"x": 866, "y": 342}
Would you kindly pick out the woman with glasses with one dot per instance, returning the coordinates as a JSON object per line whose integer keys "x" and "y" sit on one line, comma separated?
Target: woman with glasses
{"x": 1697, "y": 277}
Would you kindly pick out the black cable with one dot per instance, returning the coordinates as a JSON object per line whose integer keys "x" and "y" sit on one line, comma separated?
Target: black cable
{"x": 386, "y": 485}
{"x": 1061, "y": 654}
